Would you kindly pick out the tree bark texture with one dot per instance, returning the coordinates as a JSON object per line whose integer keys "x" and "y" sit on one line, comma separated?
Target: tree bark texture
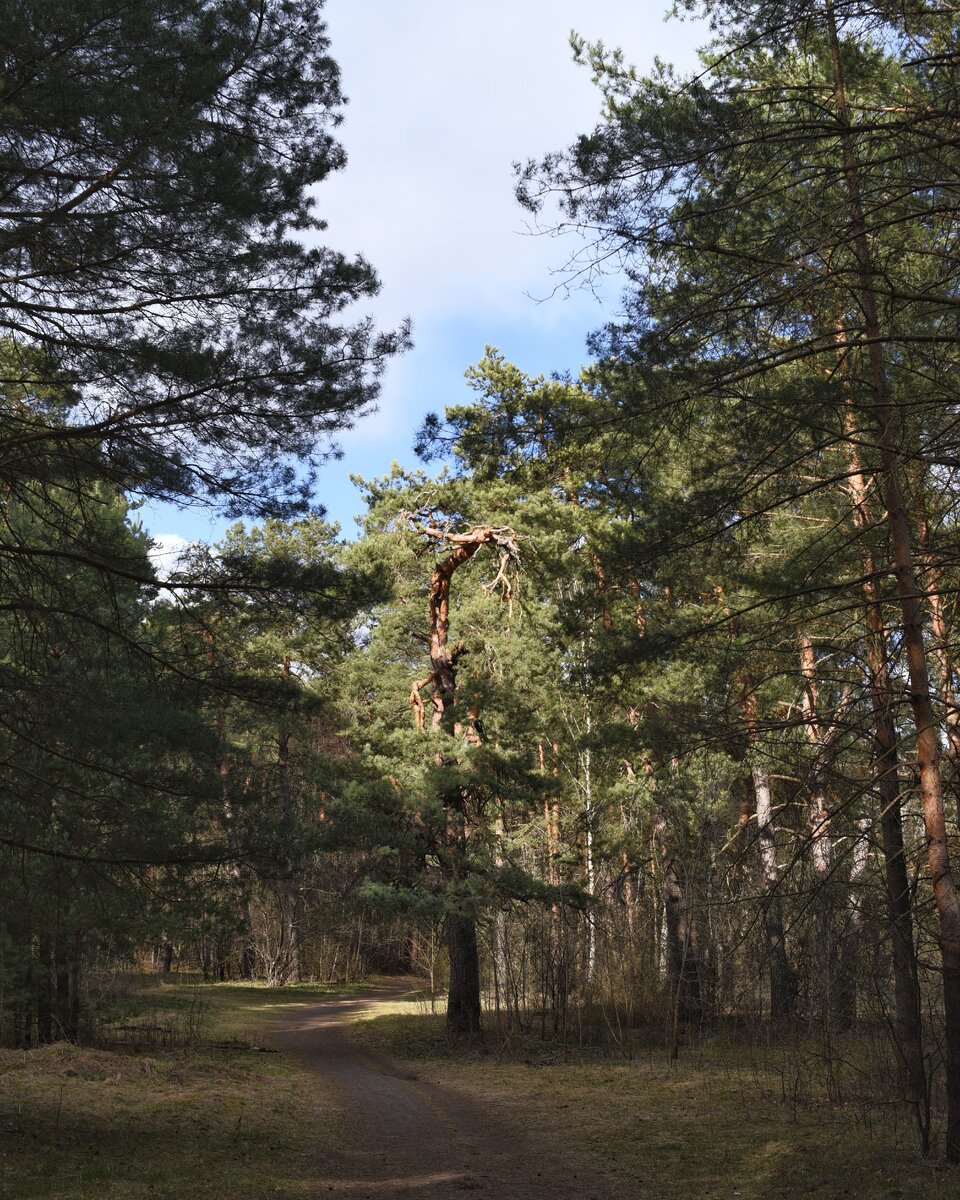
{"x": 463, "y": 998}
{"x": 943, "y": 661}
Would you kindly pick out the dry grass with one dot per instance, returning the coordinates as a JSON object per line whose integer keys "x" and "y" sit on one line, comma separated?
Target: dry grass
{"x": 189, "y": 1108}
{"x": 723, "y": 1121}
{"x": 210, "y": 1115}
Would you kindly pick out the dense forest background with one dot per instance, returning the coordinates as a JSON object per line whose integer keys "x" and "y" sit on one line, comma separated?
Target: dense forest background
{"x": 638, "y": 716}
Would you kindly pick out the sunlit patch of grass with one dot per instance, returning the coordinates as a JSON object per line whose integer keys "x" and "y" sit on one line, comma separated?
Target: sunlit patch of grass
{"x": 407, "y": 1027}
{"x": 207, "y": 1115}
{"x": 721, "y": 1121}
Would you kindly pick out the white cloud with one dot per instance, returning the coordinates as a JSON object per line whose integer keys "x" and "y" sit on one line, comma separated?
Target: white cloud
{"x": 443, "y": 98}
{"x": 167, "y": 552}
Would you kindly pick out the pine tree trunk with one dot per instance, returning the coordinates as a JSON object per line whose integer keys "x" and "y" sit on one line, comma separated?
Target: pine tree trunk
{"x": 501, "y": 949}
{"x": 463, "y": 1002}
{"x": 945, "y": 895}
{"x": 62, "y": 986}
{"x": 46, "y": 991}
{"x": 683, "y": 961}
{"x": 589, "y": 862}
{"x": 782, "y": 988}
{"x": 907, "y": 1025}
{"x": 463, "y": 998}
{"x": 240, "y": 889}
{"x": 551, "y": 825}
{"x": 27, "y": 1038}
{"x": 73, "y": 1003}
{"x": 933, "y": 586}
{"x": 292, "y": 905}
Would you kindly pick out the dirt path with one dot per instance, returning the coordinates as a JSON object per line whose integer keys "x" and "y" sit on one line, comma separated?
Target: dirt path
{"x": 411, "y": 1138}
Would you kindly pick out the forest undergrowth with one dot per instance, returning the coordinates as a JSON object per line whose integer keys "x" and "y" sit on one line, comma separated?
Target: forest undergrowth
{"x": 180, "y": 1093}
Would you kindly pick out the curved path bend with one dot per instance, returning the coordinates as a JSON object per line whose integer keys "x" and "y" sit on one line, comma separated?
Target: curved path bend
{"x": 408, "y": 1138}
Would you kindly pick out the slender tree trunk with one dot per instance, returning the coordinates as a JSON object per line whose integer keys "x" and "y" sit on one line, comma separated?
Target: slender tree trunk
{"x": 501, "y": 949}
{"x": 62, "y": 985}
{"x": 589, "y": 863}
{"x": 248, "y": 957}
{"x": 928, "y": 751}
{"x": 820, "y": 841}
{"x": 463, "y": 997}
{"x": 240, "y": 888}
{"x": 165, "y": 957}
{"x": 292, "y": 901}
{"x": 850, "y": 937}
{"x": 46, "y": 991}
{"x": 782, "y": 987}
{"x": 28, "y": 1037}
{"x": 292, "y": 904}
{"x": 74, "y": 1000}
{"x": 682, "y": 960}
{"x": 551, "y": 826}
{"x": 682, "y": 950}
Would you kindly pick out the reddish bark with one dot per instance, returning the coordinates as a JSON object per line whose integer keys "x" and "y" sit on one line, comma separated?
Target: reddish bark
{"x": 463, "y": 999}
{"x": 945, "y": 895}
{"x": 939, "y": 627}
{"x": 907, "y": 1022}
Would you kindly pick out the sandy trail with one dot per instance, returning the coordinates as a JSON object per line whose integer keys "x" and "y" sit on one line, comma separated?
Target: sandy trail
{"x": 409, "y": 1138}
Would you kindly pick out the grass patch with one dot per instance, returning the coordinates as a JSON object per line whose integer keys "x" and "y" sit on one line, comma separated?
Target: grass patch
{"x": 725, "y": 1120}
{"x": 178, "y": 1101}
{"x": 408, "y": 1027}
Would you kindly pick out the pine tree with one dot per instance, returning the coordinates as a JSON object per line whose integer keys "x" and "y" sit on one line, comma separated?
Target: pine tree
{"x": 786, "y": 220}
{"x": 159, "y": 243}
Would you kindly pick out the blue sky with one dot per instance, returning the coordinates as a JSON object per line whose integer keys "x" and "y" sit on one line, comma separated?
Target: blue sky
{"x": 444, "y": 97}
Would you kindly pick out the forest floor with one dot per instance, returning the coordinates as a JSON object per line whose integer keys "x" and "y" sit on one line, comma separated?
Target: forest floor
{"x": 182, "y": 1094}
{"x": 721, "y": 1120}
{"x": 186, "y": 1095}
{"x": 412, "y": 1135}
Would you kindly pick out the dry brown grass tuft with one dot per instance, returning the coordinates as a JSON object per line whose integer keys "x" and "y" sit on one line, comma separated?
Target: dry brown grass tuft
{"x": 211, "y": 1118}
